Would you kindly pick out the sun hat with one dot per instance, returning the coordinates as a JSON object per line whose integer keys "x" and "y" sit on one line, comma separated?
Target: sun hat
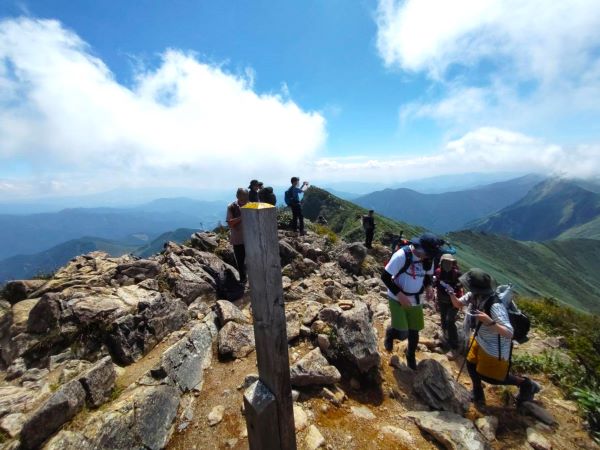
{"x": 478, "y": 282}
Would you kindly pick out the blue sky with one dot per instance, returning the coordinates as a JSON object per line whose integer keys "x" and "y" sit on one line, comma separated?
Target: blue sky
{"x": 102, "y": 94}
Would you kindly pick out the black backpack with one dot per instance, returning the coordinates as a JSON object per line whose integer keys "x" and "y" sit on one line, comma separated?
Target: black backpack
{"x": 427, "y": 263}
{"x": 519, "y": 321}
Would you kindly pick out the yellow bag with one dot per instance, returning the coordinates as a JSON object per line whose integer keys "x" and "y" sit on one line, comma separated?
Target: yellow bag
{"x": 487, "y": 365}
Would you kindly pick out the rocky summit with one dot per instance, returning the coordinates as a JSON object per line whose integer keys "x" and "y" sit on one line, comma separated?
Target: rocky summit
{"x": 124, "y": 353}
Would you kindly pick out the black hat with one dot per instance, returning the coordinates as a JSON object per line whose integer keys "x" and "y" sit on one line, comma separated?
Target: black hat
{"x": 430, "y": 243}
{"x": 253, "y": 183}
{"x": 478, "y": 282}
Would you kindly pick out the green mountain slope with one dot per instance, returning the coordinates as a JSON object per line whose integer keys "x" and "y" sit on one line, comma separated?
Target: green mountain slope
{"x": 450, "y": 210}
{"x": 550, "y": 209}
{"x": 564, "y": 269}
{"x": 589, "y": 230}
{"x": 344, "y": 217}
{"x": 27, "y": 266}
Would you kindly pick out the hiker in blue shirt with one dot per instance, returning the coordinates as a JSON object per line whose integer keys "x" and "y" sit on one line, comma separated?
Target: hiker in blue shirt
{"x": 292, "y": 199}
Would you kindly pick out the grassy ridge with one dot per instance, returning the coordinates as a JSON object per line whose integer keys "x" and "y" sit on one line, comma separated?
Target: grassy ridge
{"x": 566, "y": 270}
{"x": 343, "y": 217}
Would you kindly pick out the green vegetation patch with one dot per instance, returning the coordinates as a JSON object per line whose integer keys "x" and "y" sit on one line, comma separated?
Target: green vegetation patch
{"x": 579, "y": 375}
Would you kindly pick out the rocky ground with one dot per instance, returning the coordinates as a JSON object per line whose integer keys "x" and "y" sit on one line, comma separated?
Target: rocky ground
{"x": 122, "y": 353}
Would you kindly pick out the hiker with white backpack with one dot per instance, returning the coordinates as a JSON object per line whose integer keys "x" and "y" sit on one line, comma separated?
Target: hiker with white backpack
{"x": 490, "y": 348}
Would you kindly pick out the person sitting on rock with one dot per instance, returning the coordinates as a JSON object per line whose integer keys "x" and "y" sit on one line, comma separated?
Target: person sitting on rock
{"x": 447, "y": 274}
{"x": 236, "y": 234}
{"x": 490, "y": 350}
{"x": 407, "y": 276}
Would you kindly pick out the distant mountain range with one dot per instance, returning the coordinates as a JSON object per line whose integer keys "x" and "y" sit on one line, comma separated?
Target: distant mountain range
{"x": 40, "y": 264}
{"x": 563, "y": 269}
{"x": 29, "y": 234}
{"x": 450, "y": 210}
{"x": 551, "y": 209}
{"x": 47, "y": 261}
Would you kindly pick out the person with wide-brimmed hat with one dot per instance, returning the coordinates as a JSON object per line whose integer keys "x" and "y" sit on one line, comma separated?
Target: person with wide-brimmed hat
{"x": 490, "y": 349}
{"x": 448, "y": 274}
{"x": 408, "y": 275}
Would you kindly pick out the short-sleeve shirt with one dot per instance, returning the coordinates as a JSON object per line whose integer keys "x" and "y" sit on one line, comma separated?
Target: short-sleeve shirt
{"x": 487, "y": 337}
{"x": 236, "y": 234}
{"x": 411, "y": 281}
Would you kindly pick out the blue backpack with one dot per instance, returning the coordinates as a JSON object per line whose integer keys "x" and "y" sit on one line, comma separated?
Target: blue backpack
{"x": 289, "y": 197}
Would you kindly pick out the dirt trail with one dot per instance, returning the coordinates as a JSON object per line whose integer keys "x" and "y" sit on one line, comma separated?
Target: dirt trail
{"x": 344, "y": 430}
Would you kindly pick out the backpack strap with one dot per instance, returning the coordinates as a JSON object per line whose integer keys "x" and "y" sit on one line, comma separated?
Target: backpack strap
{"x": 407, "y": 263}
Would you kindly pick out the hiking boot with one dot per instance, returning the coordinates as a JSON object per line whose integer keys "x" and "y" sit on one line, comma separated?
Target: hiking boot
{"x": 527, "y": 390}
{"x": 478, "y": 397}
{"x": 388, "y": 342}
{"x": 411, "y": 361}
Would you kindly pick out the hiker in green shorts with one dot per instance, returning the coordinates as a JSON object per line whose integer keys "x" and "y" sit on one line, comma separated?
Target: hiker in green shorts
{"x": 408, "y": 277}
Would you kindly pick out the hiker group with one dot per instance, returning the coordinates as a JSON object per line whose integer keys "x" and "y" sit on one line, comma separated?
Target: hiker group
{"x": 424, "y": 270}
{"x": 492, "y": 320}
{"x": 258, "y": 193}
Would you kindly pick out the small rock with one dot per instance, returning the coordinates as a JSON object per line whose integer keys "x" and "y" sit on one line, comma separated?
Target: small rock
{"x": 300, "y": 418}
{"x": 12, "y": 424}
{"x": 216, "y": 415}
{"x": 295, "y": 395}
{"x": 230, "y": 443}
{"x": 323, "y": 342}
{"x": 362, "y": 412}
{"x": 402, "y": 436}
{"x": 538, "y": 412}
{"x": 314, "y": 438}
{"x": 487, "y": 426}
{"x": 314, "y": 369}
{"x": 249, "y": 380}
{"x": 228, "y": 312}
{"x": 537, "y": 441}
{"x": 451, "y": 430}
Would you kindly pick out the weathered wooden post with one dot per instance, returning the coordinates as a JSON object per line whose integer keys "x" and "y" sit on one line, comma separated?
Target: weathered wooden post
{"x": 268, "y": 402}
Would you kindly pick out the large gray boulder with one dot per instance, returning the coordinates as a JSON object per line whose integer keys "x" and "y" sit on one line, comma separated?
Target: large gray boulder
{"x": 452, "y": 431}
{"x": 206, "y": 242}
{"x": 61, "y": 407}
{"x": 287, "y": 253}
{"x": 228, "y": 312}
{"x": 99, "y": 382}
{"x": 351, "y": 259}
{"x": 314, "y": 369}
{"x": 236, "y": 340}
{"x": 185, "y": 361}
{"x": 438, "y": 389}
{"x": 353, "y": 344}
{"x": 132, "y": 336}
{"x": 140, "y": 419}
{"x": 45, "y": 315}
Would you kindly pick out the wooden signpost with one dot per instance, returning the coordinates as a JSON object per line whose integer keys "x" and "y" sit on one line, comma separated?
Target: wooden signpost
{"x": 268, "y": 402}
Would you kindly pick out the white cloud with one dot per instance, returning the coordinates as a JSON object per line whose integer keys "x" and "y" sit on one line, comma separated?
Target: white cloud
{"x": 485, "y": 149}
{"x": 515, "y": 61}
{"x": 61, "y": 109}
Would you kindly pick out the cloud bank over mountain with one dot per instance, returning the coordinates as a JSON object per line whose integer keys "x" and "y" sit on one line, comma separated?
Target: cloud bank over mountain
{"x": 62, "y": 111}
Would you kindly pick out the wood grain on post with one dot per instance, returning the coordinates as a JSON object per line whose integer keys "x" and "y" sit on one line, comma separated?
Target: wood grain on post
{"x": 263, "y": 266}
